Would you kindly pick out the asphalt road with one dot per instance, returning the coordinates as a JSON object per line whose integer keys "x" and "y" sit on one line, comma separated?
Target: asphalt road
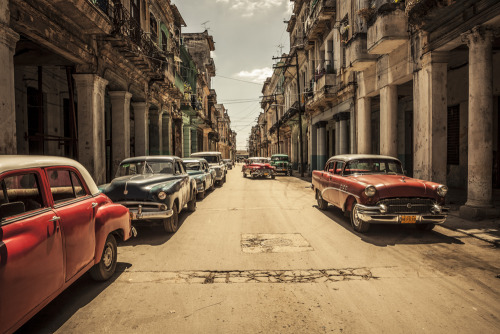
{"x": 257, "y": 256}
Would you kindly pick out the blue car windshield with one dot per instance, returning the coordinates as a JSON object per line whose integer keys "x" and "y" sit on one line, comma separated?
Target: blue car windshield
{"x": 145, "y": 167}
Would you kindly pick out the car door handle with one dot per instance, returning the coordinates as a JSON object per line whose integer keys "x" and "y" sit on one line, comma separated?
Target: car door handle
{"x": 54, "y": 218}
{"x": 94, "y": 204}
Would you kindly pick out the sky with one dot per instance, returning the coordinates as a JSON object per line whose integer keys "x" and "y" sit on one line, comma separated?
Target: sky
{"x": 247, "y": 35}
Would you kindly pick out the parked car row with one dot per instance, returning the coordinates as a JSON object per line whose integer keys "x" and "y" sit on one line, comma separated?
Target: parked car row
{"x": 259, "y": 167}
{"x": 56, "y": 224}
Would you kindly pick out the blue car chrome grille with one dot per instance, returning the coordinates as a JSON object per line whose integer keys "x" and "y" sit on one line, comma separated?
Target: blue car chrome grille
{"x": 408, "y": 205}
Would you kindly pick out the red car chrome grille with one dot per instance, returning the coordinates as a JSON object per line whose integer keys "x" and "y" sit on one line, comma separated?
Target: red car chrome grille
{"x": 408, "y": 205}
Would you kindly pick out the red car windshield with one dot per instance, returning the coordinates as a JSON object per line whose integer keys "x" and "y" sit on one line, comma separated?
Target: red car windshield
{"x": 373, "y": 166}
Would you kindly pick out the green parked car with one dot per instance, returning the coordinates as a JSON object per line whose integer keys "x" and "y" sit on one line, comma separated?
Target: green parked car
{"x": 282, "y": 163}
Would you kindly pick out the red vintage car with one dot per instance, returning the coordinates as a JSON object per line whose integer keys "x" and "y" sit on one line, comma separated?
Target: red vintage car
{"x": 258, "y": 168}
{"x": 374, "y": 190}
{"x": 55, "y": 226}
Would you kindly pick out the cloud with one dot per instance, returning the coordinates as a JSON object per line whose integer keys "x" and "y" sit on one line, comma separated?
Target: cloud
{"x": 258, "y": 75}
{"x": 249, "y": 7}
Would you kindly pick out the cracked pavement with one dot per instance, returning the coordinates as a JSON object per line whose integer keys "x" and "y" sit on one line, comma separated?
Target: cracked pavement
{"x": 257, "y": 256}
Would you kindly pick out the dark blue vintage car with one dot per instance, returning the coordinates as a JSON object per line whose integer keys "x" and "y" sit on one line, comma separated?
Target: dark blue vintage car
{"x": 153, "y": 188}
{"x": 204, "y": 176}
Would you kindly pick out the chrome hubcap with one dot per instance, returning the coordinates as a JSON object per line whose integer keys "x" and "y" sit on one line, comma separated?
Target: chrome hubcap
{"x": 107, "y": 257}
{"x": 355, "y": 217}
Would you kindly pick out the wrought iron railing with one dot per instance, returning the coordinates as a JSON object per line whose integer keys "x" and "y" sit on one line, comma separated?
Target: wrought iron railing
{"x": 127, "y": 27}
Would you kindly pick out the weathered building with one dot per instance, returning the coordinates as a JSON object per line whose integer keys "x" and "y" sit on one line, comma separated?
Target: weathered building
{"x": 413, "y": 79}
{"x": 101, "y": 80}
{"x": 93, "y": 80}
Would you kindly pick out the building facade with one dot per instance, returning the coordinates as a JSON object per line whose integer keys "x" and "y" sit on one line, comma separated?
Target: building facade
{"x": 410, "y": 79}
{"x": 98, "y": 81}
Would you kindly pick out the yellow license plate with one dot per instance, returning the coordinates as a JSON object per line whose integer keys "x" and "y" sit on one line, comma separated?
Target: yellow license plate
{"x": 266, "y": 174}
{"x": 408, "y": 219}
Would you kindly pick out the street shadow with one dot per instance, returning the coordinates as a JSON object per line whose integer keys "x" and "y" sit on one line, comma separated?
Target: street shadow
{"x": 83, "y": 291}
{"x": 384, "y": 235}
{"x": 153, "y": 234}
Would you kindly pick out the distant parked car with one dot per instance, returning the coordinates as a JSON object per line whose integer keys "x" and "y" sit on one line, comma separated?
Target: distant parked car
{"x": 55, "y": 226}
{"x": 154, "y": 188}
{"x": 256, "y": 169}
{"x": 214, "y": 160}
{"x": 282, "y": 163}
{"x": 229, "y": 163}
{"x": 374, "y": 190}
{"x": 204, "y": 176}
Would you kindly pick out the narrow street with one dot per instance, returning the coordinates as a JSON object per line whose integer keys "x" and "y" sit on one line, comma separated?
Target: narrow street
{"x": 257, "y": 256}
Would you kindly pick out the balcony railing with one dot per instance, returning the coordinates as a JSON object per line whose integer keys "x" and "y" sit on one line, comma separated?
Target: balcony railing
{"x": 321, "y": 10}
{"x": 128, "y": 28}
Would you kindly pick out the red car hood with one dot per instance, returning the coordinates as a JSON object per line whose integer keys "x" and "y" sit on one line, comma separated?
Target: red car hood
{"x": 398, "y": 185}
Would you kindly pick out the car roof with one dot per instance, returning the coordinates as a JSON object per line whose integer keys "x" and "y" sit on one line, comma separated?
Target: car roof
{"x": 16, "y": 162}
{"x": 258, "y": 158}
{"x": 205, "y": 153}
{"x": 150, "y": 158}
{"x": 349, "y": 157}
{"x": 194, "y": 160}
{"x": 279, "y": 155}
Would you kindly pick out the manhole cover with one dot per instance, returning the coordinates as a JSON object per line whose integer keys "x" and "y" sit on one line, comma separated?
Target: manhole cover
{"x": 274, "y": 243}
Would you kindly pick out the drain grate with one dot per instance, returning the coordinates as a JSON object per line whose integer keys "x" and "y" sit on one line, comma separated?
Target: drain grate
{"x": 249, "y": 276}
{"x": 274, "y": 243}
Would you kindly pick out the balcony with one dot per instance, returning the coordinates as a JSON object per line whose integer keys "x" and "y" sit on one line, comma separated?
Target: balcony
{"x": 132, "y": 42}
{"x": 325, "y": 89}
{"x": 388, "y": 32}
{"x": 321, "y": 12}
{"x": 357, "y": 56}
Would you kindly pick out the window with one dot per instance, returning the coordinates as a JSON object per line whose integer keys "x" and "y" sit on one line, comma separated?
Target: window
{"x": 330, "y": 166}
{"x": 20, "y": 193}
{"x": 338, "y": 167}
{"x": 153, "y": 28}
{"x": 164, "y": 41}
{"x": 65, "y": 185}
{"x": 177, "y": 168}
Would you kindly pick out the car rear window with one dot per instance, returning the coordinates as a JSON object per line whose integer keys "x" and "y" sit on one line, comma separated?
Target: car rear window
{"x": 20, "y": 193}
{"x": 65, "y": 185}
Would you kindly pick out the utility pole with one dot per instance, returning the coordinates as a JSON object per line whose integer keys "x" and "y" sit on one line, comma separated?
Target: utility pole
{"x": 277, "y": 126}
{"x": 301, "y": 149}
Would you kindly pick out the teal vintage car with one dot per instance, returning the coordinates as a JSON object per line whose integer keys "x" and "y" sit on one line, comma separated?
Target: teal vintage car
{"x": 282, "y": 163}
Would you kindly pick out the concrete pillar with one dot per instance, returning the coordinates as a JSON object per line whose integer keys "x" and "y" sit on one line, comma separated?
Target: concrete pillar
{"x": 430, "y": 118}
{"x": 90, "y": 90}
{"x": 364, "y": 125}
{"x": 480, "y": 156}
{"x": 328, "y": 55}
{"x": 336, "y": 118}
{"x": 120, "y": 127}
{"x": 343, "y": 133}
{"x": 389, "y": 121}
{"x": 8, "y": 40}
{"x": 155, "y": 132}
{"x": 312, "y": 148}
{"x": 141, "y": 115}
{"x": 321, "y": 154}
{"x": 166, "y": 134}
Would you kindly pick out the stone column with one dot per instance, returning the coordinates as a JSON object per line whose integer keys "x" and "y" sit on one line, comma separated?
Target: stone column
{"x": 321, "y": 135}
{"x": 336, "y": 118}
{"x": 8, "y": 40}
{"x": 141, "y": 115}
{"x": 389, "y": 121}
{"x": 430, "y": 118}
{"x": 120, "y": 127}
{"x": 480, "y": 156}
{"x": 312, "y": 148}
{"x": 343, "y": 133}
{"x": 364, "y": 125}
{"x": 328, "y": 55}
{"x": 166, "y": 133}
{"x": 90, "y": 90}
{"x": 155, "y": 132}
